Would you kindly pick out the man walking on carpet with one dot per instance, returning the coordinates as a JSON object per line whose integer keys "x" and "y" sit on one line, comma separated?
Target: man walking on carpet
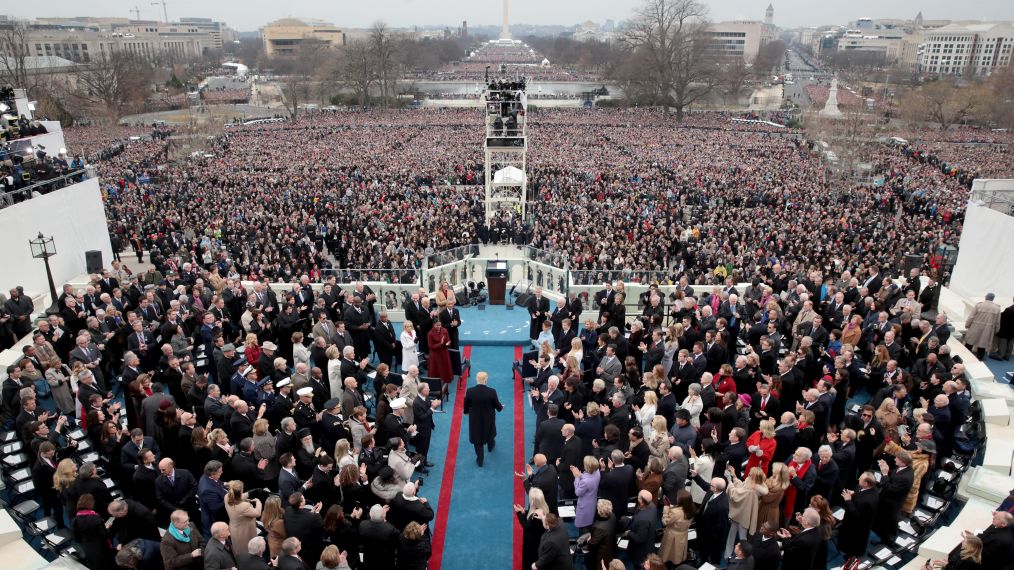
{"x": 481, "y": 406}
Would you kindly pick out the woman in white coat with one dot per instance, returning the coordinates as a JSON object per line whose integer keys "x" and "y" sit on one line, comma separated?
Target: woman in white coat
{"x": 409, "y": 346}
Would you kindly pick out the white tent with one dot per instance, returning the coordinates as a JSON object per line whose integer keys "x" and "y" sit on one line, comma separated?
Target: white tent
{"x": 509, "y": 175}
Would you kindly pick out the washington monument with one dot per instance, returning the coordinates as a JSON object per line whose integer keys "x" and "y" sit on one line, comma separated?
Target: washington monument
{"x": 505, "y": 33}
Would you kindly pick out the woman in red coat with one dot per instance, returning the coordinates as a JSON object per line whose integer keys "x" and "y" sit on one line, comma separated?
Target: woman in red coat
{"x": 439, "y": 343}
{"x": 761, "y": 444}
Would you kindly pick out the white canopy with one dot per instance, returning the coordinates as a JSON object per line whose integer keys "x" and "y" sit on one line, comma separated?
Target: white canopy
{"x": 509, "y": 175}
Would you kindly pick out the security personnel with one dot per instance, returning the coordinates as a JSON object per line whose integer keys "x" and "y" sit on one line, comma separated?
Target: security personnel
{"x": 281, "y": 406}
{"x": 304, "y": 414}
{"x": 331, "y": 426}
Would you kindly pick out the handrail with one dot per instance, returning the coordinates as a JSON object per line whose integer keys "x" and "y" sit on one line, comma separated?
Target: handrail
{"x": 43, "y": 187}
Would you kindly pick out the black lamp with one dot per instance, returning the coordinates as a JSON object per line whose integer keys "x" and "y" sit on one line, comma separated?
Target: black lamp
{"x": 43, "y": 248}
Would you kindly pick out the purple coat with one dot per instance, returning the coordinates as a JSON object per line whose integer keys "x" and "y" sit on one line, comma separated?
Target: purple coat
{"x": 586, "y": 487}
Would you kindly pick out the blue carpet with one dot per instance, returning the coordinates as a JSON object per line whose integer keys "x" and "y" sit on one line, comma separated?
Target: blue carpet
{"x": 1000, "y": 368}
{"x": 493, "y": 326}
{"x": 479, "y": 529}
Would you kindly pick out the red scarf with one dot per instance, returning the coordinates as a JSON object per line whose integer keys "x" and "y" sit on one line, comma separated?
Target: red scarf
{"x": 790, "y": 492}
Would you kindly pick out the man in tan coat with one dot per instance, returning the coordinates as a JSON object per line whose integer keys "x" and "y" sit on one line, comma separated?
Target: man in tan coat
{"x": 982, "y": 325}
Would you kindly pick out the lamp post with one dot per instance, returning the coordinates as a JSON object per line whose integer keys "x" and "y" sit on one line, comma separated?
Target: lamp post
{"x": 43, "y": 248}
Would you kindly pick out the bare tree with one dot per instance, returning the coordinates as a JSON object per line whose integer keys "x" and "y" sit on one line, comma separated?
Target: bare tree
{"x": 941, "y": 101}
{"x": 358, "y": 70}
{"x": 384, "y": 51}
{"x": 115, "y": 84}
{"x": 299, "y": 73}
{"x": 15, "y": 66}
{"x": 671, "y": 38}
{"x": 733, "y": 75}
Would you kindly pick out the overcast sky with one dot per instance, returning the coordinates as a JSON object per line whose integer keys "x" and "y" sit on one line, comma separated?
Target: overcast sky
{"x": 248, "y": 15}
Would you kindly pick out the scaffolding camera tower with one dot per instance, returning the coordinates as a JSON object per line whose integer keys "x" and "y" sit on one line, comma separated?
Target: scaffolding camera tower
{"x": 506, "y": 145}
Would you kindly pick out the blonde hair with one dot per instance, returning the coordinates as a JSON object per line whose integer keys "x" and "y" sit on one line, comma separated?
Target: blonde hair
{"x": 767, "y": 428}
{"x": 572, "y": 363}
{"x": 260, "y": 427}
{"x": 235, "y": 495}
{"x": 408, "y": 326}
{"x": 659, "y": 425}
{"x": 251, "y": 339}
{"x": 604, "y": 508}
{"x": 341, "y": 449}
{"x": 214, "y": 435}
{"x": 650, "y": 398}
{"x": 332, "y": 352}
{"x": 65, "y": 475}
{"x": 330, "y": 557}
{"x": 779, "y": 478}
{"x": 536, "y": 501}
{"x": 591, "y": 464}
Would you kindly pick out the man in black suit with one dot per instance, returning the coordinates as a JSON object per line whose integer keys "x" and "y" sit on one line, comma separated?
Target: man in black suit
{"x": 219, "y": 554}
{"x": 142, "y": 484}
{"x": 42, "y": 477}
{"x": 894, "y": 488}
{"x": 564, "y": 338}
{"x": 128, "y": 454}
{"x": 541, "y": 400}
{"x": 570, "y": 456}
{"x": 384, "y": 340}
{"x": 654, "y": 352}
{"x": 358, "y": 321}
{"x": 860, "y": 508}
{"x": 767, "y": 551}
{"x": 88, "y": 482}
{"x": 827, "y": 473}
{"x": 715, "y": 352}
{"x": 481, "y": 405}
{"x": 763, "y": 406}
{"x": 254, "y": 557}
{"x": 800, "y": 550}
{"x": 542, "y": 476}
{"x": 713, "y": 518}
{"x": 408, "y": 507}
{"x": 289, "y": 482}
{"x": 379, "y": 539}
{"x": 641, "y": 532}
{"x": 132, "y": 520}
{"x": 450, "y": 318}
{"x": 549, "y": 435}
{"x": 554, "y": 546}
{"x": 538, "y": 311}
{"x": 306, "y": 524}
{"x": 422, "y": 419}
{"x": 618, "y": 483}
{"x": 996, "y": 540}
{"x": 815, "y": 330}
{"x": 175, "y": 489}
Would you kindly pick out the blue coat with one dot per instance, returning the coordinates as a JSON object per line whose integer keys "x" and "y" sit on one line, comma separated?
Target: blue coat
{"x": 586, "y": 487}
{"x": 211, "y": 497}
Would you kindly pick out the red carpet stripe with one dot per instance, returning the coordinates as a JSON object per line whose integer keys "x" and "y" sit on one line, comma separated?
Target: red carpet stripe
{"x": 519, "y": 455}
{"x": 447, "y": 484}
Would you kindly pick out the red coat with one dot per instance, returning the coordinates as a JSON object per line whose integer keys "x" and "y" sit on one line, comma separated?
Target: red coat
{"x": 767, "y": 446}
{"x": 440, "y": 356}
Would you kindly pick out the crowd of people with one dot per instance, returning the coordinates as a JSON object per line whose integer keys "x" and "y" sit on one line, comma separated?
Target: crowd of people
{"x": 721, "y": 197}
{"x": 722, "y": 407}
{"x": 211, "y": 406}
{"x": 728, "y": 414}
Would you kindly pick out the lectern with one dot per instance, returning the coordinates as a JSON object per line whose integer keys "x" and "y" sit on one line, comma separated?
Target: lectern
{"x": 496, "y": 281}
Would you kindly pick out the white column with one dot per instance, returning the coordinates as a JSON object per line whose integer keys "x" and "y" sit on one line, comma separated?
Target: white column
{"x": 505, "y": 33}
